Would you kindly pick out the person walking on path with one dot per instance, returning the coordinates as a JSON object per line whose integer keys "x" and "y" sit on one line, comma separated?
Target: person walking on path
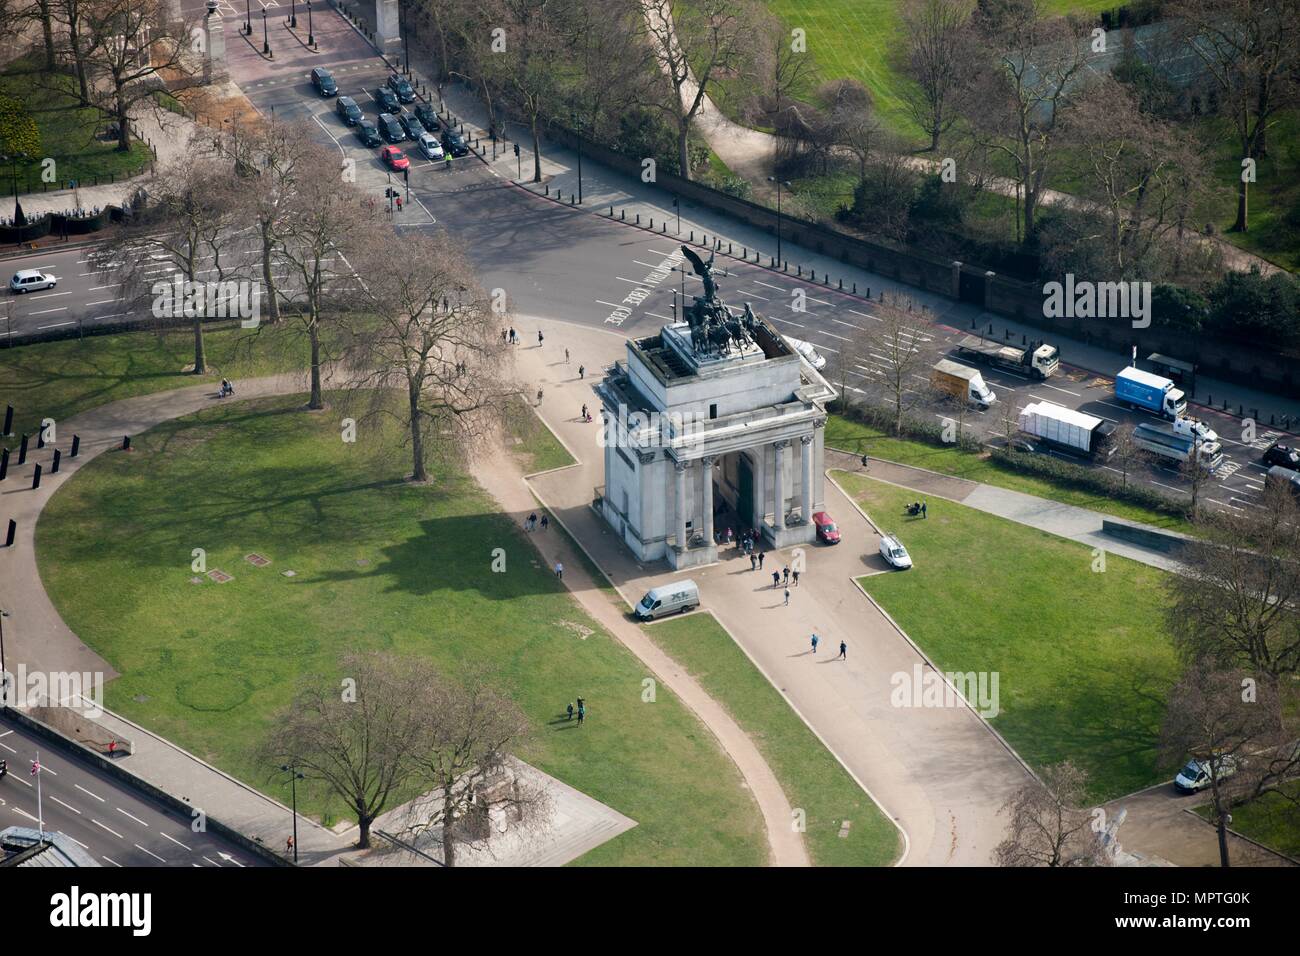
{"x": 539, "y": 396}
{"x": 787, "y": 597}
{"x": 760, "y": 560}
{"x": 582, "y": 713}
{"x": 559, "y": 570}
{"x": 582, "y": 371}
{"x": 923, "y": 514}
{"x": 569, "y": 710}
{"x": 785, "y": 573}
{"x": 512, "y": 335}
{"x": 546, "y": 521}
{"x": 753, "y": 563}
{"x": 776, "y": 580}
{"x": 815, "y": 641}
{"x": 531, "y": 522}
{"x": 794, "y": 574}
{"x": 844, "y": 651}
{"x": 539, "y": 338}
{"x": 566, "y": 356}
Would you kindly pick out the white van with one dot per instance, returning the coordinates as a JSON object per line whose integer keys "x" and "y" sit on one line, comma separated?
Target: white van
{"x": 680, "y": 597}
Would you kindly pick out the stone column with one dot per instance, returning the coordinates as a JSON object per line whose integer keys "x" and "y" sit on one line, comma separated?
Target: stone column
{"x": 706, "y": 467}
{"x": 778, "y": 485}
{"x": 680, "y": 467}
{"x": 214, "y": 53}
{"x": 806, "y": 451}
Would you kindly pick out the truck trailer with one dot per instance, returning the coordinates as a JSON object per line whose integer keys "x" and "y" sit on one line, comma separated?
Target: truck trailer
{"x": 1064, "y": 429}
{"x": 1168, "y": 440}
{"x": 961, "y": 382}
{"x": 1038, "y": 361}
{"x": 1140, "y": 389}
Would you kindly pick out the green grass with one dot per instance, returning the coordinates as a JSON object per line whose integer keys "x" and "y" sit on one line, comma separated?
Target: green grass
{"x": 533, "y": 445}
{"x": 856, "y": 438}
{"x": 67, "y": 132}
{"x": 813, "y": 780}
{"x": 1272, "y": 819}
{"x": 209, "y": 665}
{"x": 1083, "y": 657}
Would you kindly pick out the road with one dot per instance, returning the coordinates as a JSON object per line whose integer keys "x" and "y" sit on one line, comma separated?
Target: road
{"x": 111, "y": 822}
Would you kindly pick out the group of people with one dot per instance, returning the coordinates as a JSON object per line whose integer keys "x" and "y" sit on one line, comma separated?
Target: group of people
{"x": 580, "y": 710}
{"x": 917, "y": 508}
{"x": 530, "y": 523}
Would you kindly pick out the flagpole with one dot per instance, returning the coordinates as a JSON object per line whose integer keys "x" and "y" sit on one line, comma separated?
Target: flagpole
{"x": 40, "y": 814}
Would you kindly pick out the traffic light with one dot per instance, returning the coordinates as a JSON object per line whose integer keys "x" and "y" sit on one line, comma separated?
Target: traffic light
{"x": 406, "y": 174}
{"x": 516, "y": 149}
{"x": 389, "y": 192}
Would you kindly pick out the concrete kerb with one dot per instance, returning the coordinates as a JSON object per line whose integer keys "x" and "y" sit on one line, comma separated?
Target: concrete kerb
{"x": 916, "y": 647}
{"x": 928, "y": 471}
{"x": 1241, "y": 836}
{"x": 120, "y": 773}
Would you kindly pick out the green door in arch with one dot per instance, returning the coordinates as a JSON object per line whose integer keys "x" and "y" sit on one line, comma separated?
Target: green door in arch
{"x": 745, "y": 493}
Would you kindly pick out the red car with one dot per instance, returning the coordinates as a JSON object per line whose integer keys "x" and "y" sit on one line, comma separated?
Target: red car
{"x": 826, "y": 529}
{"x": 394, "y": 158}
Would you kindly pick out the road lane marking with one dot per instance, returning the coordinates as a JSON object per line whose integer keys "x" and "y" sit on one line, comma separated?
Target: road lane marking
{"x": 88, "y": 793}
{"x": 135, "y": 818}
{"x": 174, "y": 840}
{"x": 109, "y": 829}
{"x": 62, "y": 804}
{"x": 47, "y": 311}
{"x": 41, "y": 328}
{"x": 114, "y": 862}
{"x": 103, "y": 301}
{"x": 151, "y": 853}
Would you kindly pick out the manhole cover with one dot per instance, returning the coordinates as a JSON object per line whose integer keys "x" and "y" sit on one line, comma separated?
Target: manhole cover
{"x": 221, "y": 577}
{"x": 289, "y": 573}
{"x": 256, "y": 560}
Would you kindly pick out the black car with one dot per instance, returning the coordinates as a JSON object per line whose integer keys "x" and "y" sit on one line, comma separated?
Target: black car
{"x": 1282, "y": 455}
{"x": 323, "y": 80}
{"x": 428, "y": 117}
{"x": 402, "y": 87}
{"x": 411, "y": 123}
{"x": 387, "y": 100}
{"x": 1277, "y": 475}
{"x": 348, "y": 110}
{"x": 454, "y": 143}
{"x": 367, "y": 133}
{"x": 391, "y": 128}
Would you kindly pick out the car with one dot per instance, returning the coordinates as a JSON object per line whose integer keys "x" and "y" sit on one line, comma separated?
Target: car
{"x": 411, "y": 123}
{"x": 348, "y": 110}
{"x": 430, "y": 147}
{"x": 1283, "y": 456}
{"x": 1195, "y": 776}
{"x": 31, "y": 280}
{"x": 368, "y": 133}
{"x": 387, "y": 100}
{"x": 454, "y": 143}
{"x": 394, "y": 158}
{"x": 1277, "y": 475}
{"x": 826, "y": 528}
{"x": 323, "y": 80}
{"x": 895, "y": 555}
{"x": 390, "y": 128}
{"x": 402, "y": 87}
{"x": 428, "y": 117}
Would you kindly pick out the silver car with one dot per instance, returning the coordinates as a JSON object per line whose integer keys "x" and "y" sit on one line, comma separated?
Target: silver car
{"x": 32, "y": 280}
{"x": 430, "y": 147}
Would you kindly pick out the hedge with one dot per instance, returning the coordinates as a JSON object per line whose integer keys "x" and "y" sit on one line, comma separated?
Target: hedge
{"x": 919, "y": 429}
{"x": 1079, "y": 477}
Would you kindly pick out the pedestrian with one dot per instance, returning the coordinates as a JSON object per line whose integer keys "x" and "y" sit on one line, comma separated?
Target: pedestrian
{"x": 399, "y": 203}
{"x": 566, "y": 356}
{"x": 512, "y": 334}
{"x": 582, "y": 712}
{"x": 753, "y": 563}
{"x": 288, "y": 845}
{"x": 760, "y": 560}
{"x": 729, "y": 535}
{"x": 815, "y": 641}
{"x": 559, "y": 570}
{"x": 585, "y": 416}
{"x": 923, "y": 514}
{"x": 539, "y": 338}
{"x": 504, "y": 337}
{"x": 776, "y": 580}
{"x": 582, "y": 371}
{"x": 569, "y": 710}
{"x": 864, "y": 460}
{"x": 531, "y": 522}
{"x": 539, "y": 396}
{"x": 787, "y": 597}
{"x": 546, "y": 522}
{"x": 844, "y": 651}
{"x": 795, "y": 574}
{"x": 449, "y": 162}
{"x": 785, "y": 572}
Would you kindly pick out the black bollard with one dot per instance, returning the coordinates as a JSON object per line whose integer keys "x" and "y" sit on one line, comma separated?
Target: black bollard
{"x": 22, "y": 451}
{"x": 54, "y": 468}
{"x": 126, "y": 443}
{"x": 76, "y": 446}
{"x": 9, "y": 536}
{"x": 36, "y": 477}
{"x": 40, "y": 437}
{"x": 4, "y": 463}
{"x": 9, "y": 421}
{"x": 622, "y": 215}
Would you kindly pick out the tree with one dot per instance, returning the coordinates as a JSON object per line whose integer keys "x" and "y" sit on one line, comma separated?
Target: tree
{"x": 852, "y": 126}
{"x": 1129, "y": 455}
{"x": 1197, "y": 474}
{"x": 465, "y": 761}
{"x": 527, "y": 66}
{"x": 70, "y": 14}
{"x": 360, "y": 733}
{"x": 891, "y": 341}
{"x": 1049, "y": 824}
{"x": 1234, "y": 595}
{"x": 19, "y": 134}
{"x": 932, "y": 58}
{"x": 693, "y": 44}
{"x": 437, "y": 342}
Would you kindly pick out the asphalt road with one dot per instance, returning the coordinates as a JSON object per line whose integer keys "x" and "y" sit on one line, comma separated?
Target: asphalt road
{"x": 111, "y": 822}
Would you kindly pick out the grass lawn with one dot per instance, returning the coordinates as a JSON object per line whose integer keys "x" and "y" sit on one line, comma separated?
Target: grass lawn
{"x": 67, "y": 132}
{"x": 380, "y": 564}
{"x": 856, "y": 438}
{"x": 1083, "y": 658}
{"x": 1272, "y": 820}
{"x": 812, "y": 779}
{"x": 534, "y": 445}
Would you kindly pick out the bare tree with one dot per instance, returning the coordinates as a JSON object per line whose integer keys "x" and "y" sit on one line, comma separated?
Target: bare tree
{"x": 853, "y": 126}
{"x": 1196, "y": 474}
{"x": 470, "y": 735}
{"x": 1128, "y": 455}
{"x": 892, "y": 342}
{"x": 360, "y": 732}
{"x": 781, "y": 67}
{"x": 437, "y": 342}
{"x": 931, "y": 57}
{"x": 1050, "y": 824}
{"x": 1234, "y": 596}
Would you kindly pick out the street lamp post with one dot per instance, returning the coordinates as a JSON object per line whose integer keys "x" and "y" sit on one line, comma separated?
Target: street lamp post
{"x": 4, "y": 672}
{"x": 577, "y": 123}
{"x": 678, "y": 207}
{"x": 311, "y": 37}
{"x": 779, "y": 184}
{"x": 266, "y": 37}
{"x": 293, "y": 14}
{"x": 248, "y": 18}
{"x": 294, "y": 777}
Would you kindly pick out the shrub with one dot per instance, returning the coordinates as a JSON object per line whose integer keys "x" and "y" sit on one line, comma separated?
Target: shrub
{"x": 1070, "y": 475}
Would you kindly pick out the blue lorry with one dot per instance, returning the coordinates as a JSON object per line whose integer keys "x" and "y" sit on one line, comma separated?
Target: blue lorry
{"x": 1140, "y": 389}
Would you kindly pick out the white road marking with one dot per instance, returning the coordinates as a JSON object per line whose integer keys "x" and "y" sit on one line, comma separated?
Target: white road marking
{"x": 88, "y": 793}
{"x": 62, "y": 804}
{"x": 114, "y": 862}
{"x": 48, "y": 311}
{"x": 174, "y": 840}
{"x": 109, "y": 829}
{"x": 103, "y": 301}
{"x": 135, "y": 818}
{"x": 151, "y": 853}
{"x": 54, "y": 326}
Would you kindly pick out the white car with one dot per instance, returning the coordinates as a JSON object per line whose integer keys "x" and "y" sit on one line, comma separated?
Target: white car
{"x": 892, "y": 550}
{"x": 32, "y": 280}
{"x": 810, "y": 354}
{"x": 430, "y": 147}
{"x": 1195, "y": 776}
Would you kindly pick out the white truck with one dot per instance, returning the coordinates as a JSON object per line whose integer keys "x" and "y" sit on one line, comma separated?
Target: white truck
{"x": 1067, "y": 430}
{"x": 1039, "y": 360}
{"x": 961, "y": 382}
{"x": 1178, "y": 442}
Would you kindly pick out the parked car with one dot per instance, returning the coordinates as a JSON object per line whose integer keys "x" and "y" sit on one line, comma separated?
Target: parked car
{"x": 678, "y": 597}
{"x": 411, "y": 123}
{"x": 394, "y": 158}
{"x": 402, "y": 87}
{"x": 32, "y": 280}
{"x": 454, "y": 143}
{"x": 430, "y": 147}
{"x": 1195, "y": 776}
{"x": 390, "y": 128}
{"x": 368, "y": 133}
{"x": 892, "y": 550}
{"x": 826, "y": 528}
{"x": 386, "y": 100}
{"x": 323, "y": 80}
{"x": 1283, "y": 456}
{"x": 428, "y": 117}
{"x": 348, "y": 110}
